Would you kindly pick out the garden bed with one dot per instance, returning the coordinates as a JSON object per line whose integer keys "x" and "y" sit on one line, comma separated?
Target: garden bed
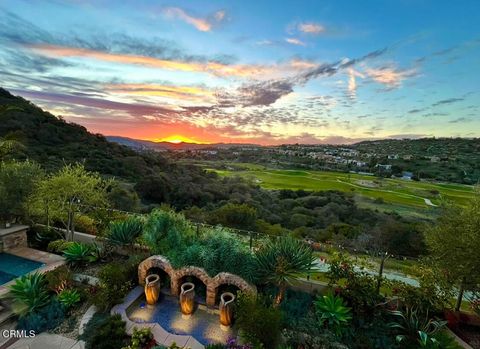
{"x": 69, "y": 326}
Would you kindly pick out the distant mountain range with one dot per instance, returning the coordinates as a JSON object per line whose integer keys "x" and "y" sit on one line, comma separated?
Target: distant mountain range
{"x": 139, "y": 144}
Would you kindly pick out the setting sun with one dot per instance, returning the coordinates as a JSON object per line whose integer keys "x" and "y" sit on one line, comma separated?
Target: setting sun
{"x": 176, "y": 139}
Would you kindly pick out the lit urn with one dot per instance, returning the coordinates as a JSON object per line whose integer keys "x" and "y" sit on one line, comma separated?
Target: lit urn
{"x": 187, "y": 298}
{"x": 226, "y": 309}
{"x": 152, "y": 288}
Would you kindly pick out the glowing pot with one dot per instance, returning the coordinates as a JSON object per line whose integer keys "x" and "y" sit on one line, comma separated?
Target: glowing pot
{"x": 226, "y": 308}
{"x": 152, "y": 288}
{"x": 187, "y": 298}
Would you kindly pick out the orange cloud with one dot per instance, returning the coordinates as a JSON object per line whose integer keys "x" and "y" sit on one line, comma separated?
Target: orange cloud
{"x": 215, "y": 68}
{"x": 202, "y": 24}
{"x": 294, "y": 41}
{"x": 311, "y": 28}
{"x": 389, "y": 76}
{"x": 299, "y": 64}
{"x": 190, "y": 93}
{"x": 252, "y": 71}
{"x": 352, "y": 83}
{"x": 199, "y": 23}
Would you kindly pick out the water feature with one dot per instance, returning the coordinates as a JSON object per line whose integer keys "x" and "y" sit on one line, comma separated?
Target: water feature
{"x": 203, "y": 324}
{"x": 187, "y": 298}
{"x": 226, "y": 308}
{"x": 152, "y": 288}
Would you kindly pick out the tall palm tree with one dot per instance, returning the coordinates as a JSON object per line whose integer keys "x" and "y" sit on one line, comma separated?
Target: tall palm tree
{"x": 283, "y": 261}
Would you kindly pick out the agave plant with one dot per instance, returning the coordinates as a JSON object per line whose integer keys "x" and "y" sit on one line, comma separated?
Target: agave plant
{"x": 414, "y": 327}
{"x": 69, "y": 298}
{"x": 125, "y": 232}
{"x": 30, "y": 293}
{"x": 79, "y": 253}
{"x": 332, "y": 312}
{"x": 282, "y": 262}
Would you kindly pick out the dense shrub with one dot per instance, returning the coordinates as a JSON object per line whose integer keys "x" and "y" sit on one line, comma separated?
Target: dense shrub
{"x": 29, "y": 293}
{"x": 40, "y": 236}
{"x": 295, "y": 307}
{"x": 235, "y": 216}
{"x": 125, "y": 232}
{"x": 434, "y": 294}
{"x": 79, "y": 253}
{"x": 359, "y": 287}
{"x": 332, "y": 313}
{"x": 59, "y": 279}
{"x": 216, "y": 251}
{"x": 167, "y": 231}
{"x": 69, "y": 298}
{"x": 141, "y": 339}
{"x": 58, "y": 246}
{"x": 86, "y": 224}
{"x": 105, "y": 332}
{"x": 115, "y": 282}
{"x": 259, "y": 322}
{"x": 43, "y": 319}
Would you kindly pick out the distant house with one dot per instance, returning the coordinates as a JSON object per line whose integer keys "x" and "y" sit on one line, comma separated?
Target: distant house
{"x": 407, "y": 175}
{"x": 434, "y": 158}
{"x": 383, "y": 168}
{"x": 392, "y": 156}
{"x": 408, "y": 157}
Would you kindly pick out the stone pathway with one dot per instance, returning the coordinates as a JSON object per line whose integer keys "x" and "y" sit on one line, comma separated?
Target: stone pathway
{"x": 47, "y": 341}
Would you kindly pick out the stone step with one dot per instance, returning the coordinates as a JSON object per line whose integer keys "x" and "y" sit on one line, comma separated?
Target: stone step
{"x": 8, "y": 324}
{"x": 6, "y": 315}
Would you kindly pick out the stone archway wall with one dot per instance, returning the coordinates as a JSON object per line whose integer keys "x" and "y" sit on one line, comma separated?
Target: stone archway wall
{"x": 228, "y": 279}
{"x": 155, "y": 262}
{"x": 199, "y": 273}
{"x": 212, "y": 283}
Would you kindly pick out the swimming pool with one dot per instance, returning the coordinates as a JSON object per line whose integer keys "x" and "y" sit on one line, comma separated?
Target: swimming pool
{"x": 12, "y": 267}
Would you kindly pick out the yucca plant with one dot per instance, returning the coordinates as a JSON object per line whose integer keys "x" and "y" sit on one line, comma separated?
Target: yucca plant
{"x": 283, "y": 261}
{"x": 69, "y": 298}
{"x": 29, "y": 293}
{"x": 125, "y": 232}
{"x": 414, "y": 327}
{"x": 79, "y": 253}
{"x": 332, "y": 312}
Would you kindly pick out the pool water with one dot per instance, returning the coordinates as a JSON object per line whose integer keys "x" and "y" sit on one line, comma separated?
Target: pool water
{"x": 203, "y": 325}
{"x": 12, "y": 267}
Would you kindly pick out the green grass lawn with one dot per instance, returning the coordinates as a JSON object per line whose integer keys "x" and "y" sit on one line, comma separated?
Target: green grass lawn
{"x": 390, "y": 193}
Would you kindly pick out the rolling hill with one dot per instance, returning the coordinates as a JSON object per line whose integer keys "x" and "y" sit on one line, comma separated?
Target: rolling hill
{"x": 140, "y": 144}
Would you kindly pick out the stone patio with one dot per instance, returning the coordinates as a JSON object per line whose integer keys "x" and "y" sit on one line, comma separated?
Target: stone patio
{"x": 47, "y": 341}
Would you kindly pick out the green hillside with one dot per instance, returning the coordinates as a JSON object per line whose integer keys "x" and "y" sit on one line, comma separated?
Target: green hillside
{"x": 52, "y": 141}
{"x": 396, "y": 192}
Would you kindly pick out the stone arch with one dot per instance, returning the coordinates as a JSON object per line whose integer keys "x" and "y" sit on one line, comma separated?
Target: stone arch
{"x": 232, "y": 279}
{"x": 227, "y": 279}
{"x": 212, "y": 284}
{"x": 155, "y": 262}
{"x": 197, "y": 272}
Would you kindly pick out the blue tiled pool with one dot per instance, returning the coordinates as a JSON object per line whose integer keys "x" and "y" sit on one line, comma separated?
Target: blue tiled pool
{"x": 12, "y": 267}
{"x": 202, "y": 325}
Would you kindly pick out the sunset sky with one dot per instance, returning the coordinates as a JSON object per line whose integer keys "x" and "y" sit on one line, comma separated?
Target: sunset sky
{"x": 266, "y": 72}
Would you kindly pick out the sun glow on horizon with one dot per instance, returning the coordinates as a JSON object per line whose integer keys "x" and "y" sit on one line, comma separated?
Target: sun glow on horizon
{"x": 177, "y": 139}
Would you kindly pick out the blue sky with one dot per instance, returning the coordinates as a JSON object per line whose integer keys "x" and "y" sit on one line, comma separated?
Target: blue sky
{"x": 265, "y": 72}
